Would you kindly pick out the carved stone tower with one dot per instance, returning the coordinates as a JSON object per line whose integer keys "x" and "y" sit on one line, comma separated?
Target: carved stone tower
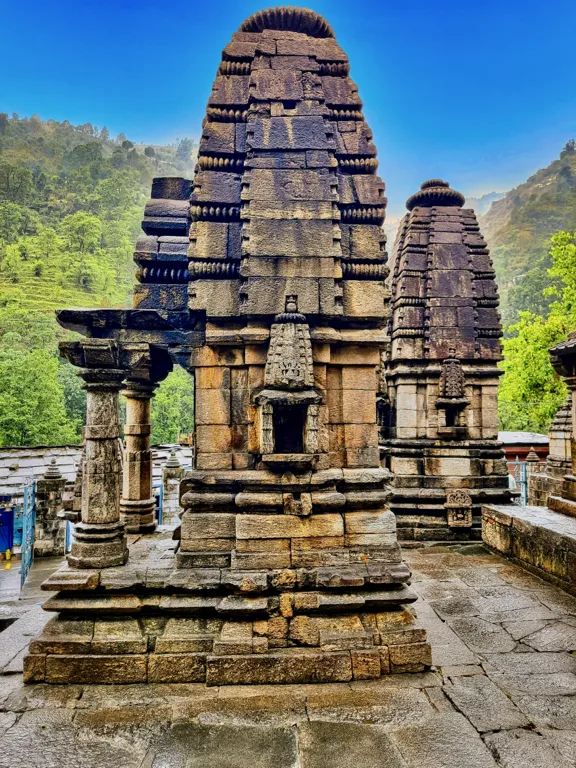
{"x": 439, "y": 414}
{"x": 288, "y": 567}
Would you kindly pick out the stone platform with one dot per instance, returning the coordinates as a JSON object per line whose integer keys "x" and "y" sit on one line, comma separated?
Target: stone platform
{"x": 152, "y": 622}
{"x": 502, "y": 695}
{"x": 536, "y": 537}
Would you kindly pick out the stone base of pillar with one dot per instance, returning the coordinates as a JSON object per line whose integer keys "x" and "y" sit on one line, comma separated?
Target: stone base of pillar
{"x": 98, "y": 546}
{"x": 138, "y": 516}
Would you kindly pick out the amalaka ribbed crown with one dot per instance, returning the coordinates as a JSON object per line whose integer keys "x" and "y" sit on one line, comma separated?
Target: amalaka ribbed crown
{"x": 289, "y": 19}
{"x": 435, "y": 193}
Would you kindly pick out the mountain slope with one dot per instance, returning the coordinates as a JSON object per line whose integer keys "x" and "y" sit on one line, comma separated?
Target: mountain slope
{"x": 71, "y": 202}
{"x": 518, "y": 229}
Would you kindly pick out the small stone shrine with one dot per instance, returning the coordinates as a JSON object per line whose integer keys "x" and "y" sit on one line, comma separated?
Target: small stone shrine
{"x": 438, "y": 406}
{"x": 288, "y": 567}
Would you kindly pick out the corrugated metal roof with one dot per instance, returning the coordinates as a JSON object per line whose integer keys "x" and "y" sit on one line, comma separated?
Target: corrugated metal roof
{"x": 523, "y": 438}
{"x": 18, "y": 466}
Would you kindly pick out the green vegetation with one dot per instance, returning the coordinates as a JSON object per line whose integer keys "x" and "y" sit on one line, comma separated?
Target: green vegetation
{"x": 530, "y": 392}
{"x": 518, "y": 229}
{"x": 71, "y": 202}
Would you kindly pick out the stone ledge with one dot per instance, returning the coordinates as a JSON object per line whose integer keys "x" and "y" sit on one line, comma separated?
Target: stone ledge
{"x": 537, "y": 538}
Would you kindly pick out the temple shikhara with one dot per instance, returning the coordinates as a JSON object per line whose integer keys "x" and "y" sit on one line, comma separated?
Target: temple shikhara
{"x": 341, "y": 404}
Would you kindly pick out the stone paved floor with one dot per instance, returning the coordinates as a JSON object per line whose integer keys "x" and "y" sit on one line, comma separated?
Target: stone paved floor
{"x": 503, "y": 695}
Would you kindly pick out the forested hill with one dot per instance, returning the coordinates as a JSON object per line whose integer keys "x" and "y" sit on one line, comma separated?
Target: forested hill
{"x": 519, "y": 227}
{"x": 71, "y": 202}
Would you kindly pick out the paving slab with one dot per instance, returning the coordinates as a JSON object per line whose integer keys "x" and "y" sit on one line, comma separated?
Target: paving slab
{"x": 49, "y": 742}
{"x": 201, "y": 746}
{"x": 394, "y": 707}
{"x": 554, "y": 637}
{"x": 482, "y": 636}
{"x": 481, "y": 577}
{"x": 462, "y": 670}
{"x": 531, "y": 663}
{"x": 446, "y": 740}
{"x": 447, "y": 647}
{"x": 521, "y": 629}
{"x": 563, "y": 742}
{"x": 537, "y": 612}
{"x": 524, "y": 749}
{"x": 548, "y": 711}
{"x": 484, "y": 704}
{"x": 346, "y": 745}
{"x": 557, "y": 601}
{"x": 16, "y": 637}
{"x": 554, "y": 684}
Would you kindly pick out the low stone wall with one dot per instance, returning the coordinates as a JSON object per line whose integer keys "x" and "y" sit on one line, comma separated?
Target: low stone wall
{"x": 542, "y": 541}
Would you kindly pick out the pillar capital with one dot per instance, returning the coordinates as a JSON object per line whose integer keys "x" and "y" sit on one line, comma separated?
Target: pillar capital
{"x": 99, "y": 361}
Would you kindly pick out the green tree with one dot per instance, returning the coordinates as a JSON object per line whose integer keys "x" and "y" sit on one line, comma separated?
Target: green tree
{"x": 15, "y": 183}
{"x": 530, "y": 392}
{"x": 11, "y": 265}
{"x": 32, "y": 410}
{"x": 173, "y": 407}
{"x": 15, "y": 221}
{"x": 81, "y": 232}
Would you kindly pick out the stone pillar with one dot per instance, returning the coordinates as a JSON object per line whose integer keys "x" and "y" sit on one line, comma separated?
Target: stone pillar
{"x": 100, "y": 538}
{"x": 137, "y": 505}
{"x": 172, "y": 475}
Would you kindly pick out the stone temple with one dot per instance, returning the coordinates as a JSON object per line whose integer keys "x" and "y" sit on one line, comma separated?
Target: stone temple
{"x": 326, "y": 401}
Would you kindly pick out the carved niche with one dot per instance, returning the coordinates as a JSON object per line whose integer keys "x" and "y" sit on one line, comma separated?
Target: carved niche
{"x": 289, "y": 404}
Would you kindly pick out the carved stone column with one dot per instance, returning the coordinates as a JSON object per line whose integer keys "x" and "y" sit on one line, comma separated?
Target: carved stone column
{"x": 99, "y": 539}
{"x": 147, "y": 366}
{"x": 137, "y": 504}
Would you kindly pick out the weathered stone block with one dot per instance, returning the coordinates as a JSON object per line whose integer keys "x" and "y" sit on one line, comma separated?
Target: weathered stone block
{"x": 366, "y": 665}
{"x": 370, "y": 522}
{"x": 96, "y": 669}
{"x": 288, "y": 526}
{"x": 412, "y": 657}
{"x": 287, "y": 667}
{"x": 176, "y": 668}
{"x": 217, "y": 525}
{"x": 262, "y": 559}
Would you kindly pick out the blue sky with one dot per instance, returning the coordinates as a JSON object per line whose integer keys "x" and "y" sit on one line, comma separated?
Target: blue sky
{"x": 481, "y": 93}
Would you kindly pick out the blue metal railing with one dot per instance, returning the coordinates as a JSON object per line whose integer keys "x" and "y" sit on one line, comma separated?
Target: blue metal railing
{"x": 518, "y": 472}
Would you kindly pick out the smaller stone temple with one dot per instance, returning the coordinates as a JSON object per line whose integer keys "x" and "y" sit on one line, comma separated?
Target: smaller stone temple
{"x": 438, "y": 402}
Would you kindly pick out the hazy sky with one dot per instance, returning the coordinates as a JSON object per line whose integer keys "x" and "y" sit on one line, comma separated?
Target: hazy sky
{"x": 481, "y": 93}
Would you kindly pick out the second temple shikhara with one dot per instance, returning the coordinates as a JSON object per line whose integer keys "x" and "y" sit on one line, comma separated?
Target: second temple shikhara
{"x": 332, "y": 398}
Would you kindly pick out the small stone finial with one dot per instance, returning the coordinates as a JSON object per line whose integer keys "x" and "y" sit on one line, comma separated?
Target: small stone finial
{"x": 291, "y": 303}
{"x": 435, "y": 192}
{"x": 53, "y": 473}
{"x": 532, "y": 455}
{"x": 173, "y": 461}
